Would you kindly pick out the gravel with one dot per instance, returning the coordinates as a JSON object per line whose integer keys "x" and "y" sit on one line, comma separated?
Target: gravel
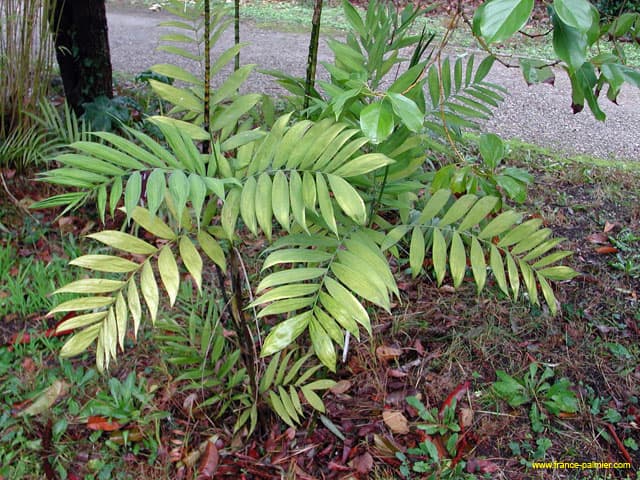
{"x": 538, "y": 114}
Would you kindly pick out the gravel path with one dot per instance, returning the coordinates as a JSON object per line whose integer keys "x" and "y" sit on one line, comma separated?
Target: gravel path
{"x": 540, "y": 114}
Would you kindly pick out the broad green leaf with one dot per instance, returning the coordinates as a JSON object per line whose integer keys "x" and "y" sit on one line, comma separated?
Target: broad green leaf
{"x": 288, "y": 404}
{"x": 80, "y": 321}
{"x": 407, "y": 110}
{"x": 325, "y": 203}
{"x": 176, "y": 72}
{"x": 497, "y": 20}
{"x": 457, "y": 259}
{"x": 149, "y": 289}
{"x": 168, "y": 269}
{"x": 280, "y": 409}
{"x": 358, "y": 281}
{"x": 491, "y": 149}
{"x": 439, "y": 255}
{"x": 191, "y": 260}
{"x": 478, "y": 264}
{"x": 248, "y": 205}
{"x": 520, "y": 232}
{"x": 124, "y": 241}
{"x": 416, "y": 251}
{"x": 376, "y": 122}
{"x": 548, "y": 294}
{"x": 105, "y": 263}
{"x": 264, "y": 212}
{"x": 569, "y": 44}
{"x": 85, "y": 303}
{"x": 531, "y": 241}
{"x": 230, "y": 211}
{"x": 213, "y": 249}
{"x": 284, "y": 333}
{"x": 497, "y": 267}
{"x": 348, "y": 302}
{"x": 348, "y": 198}
{"x": 155, "y": 188}
{"x": 152, "y": 223}
{"x": 180, "y": 97}
{"x": 499, "y": 225}
{"x": 280, "y": 199}
{"x": 121, "y": 317}
{"x": 285, "y": 292}
{"x": 322, "y": 345}
{"x": 312, "y": 397}
{"x": 297, "y": 200}
{"x": 558, "y": 273}
{"x": 80, "y": 341}
{"x": 529, "y": 281}
{"x": 132, "y": 193}
{"x": 478, "y": 212}
{"x": 294, "y": 275}
{"x": 197, "y": 195}
{"x": 91, "y": 285}
{"x": 438, "y": 200}
{"x": 514, "y": 277}
{"x": 458, "y": 209}
{"x": 339, "y": 314}
{"x": 179, "y": 191}
{"x": 363, "y": 164}
{"x": 296, "y": 255}
{"x": 575, "y": 13}
{"x": 133, "y": 301}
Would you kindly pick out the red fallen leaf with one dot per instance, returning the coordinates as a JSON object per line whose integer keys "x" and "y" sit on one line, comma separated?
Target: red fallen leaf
{"x": 606, "y": 250}
{"x": 208, "y": 462}
{"x": 600, "y": 237}
{"x": 363, "y": 463}
{"x": 457, "y": 394}
{"x": 102, "y": 424}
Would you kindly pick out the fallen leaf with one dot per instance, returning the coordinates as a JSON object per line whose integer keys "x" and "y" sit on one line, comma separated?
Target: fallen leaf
{"x": 419, "y": 348}
{"x": 466, "y": 417}
{"x": 385, "y": 353}
{"x": 606, "y": 250}
{"x": 608, "y": 226}
{"x": 208, "y": 462}
{"x": 100, "y": 423}
{"x": 395, "y": 373}
{"x": 47, "y": 399}
{"x": 478, "y": 465}
{"x": 396, "y": 421}
{"x": 600, "y": 237}
{"x": 362, "y": 463}
{"x": 341, "y": 387}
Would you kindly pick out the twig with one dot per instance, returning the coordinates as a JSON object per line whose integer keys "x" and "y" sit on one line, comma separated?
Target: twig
{"x": 623, "y": 450}
{"x": 15, "y": 200}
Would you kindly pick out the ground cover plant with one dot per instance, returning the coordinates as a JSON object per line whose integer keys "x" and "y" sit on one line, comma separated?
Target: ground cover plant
{"x": 334, "y": 191}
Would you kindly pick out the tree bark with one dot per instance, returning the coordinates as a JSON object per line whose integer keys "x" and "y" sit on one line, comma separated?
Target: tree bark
{"x": 82, "y": 49}
{"x": 312, "y": 60}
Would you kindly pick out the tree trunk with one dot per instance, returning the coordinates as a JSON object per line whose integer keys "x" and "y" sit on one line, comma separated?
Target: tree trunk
{"x": 82, "y": 50}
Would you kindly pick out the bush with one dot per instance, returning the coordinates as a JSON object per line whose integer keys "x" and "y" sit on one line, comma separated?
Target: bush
{"x": 616, "y": 7}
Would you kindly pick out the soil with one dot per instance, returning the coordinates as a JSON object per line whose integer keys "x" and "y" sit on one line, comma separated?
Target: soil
{"x": 538, "y": 114}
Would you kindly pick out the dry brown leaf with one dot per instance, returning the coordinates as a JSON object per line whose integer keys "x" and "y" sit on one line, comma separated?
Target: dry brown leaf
{"x": 608, "y": 226}
{"x": 47, "y": 399}
{"x": 396, "y": 421}
{"x": 466, "y": 417}
{"x": 341, "y": 387}
{"x": 362, "y": 463}
{"x": 600, "y": 237}
{"x": 385, "y": 353}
